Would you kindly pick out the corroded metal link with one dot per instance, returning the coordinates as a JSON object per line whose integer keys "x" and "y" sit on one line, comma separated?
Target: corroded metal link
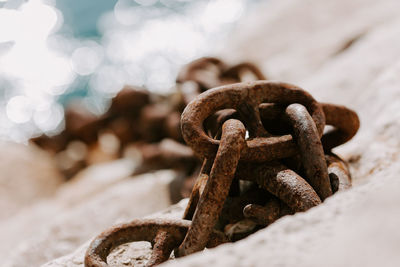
{"x": 213, "y": 124}
{"x": 310, "y": 148}
{"x": 235, "y": 72}
{"x": 268, "y": 213}
{"x": 273, "y": 118}
{"x": 346, "y": 125}
{"x": 216, "y": 189}
{"x": 339, "y": 173}
{"x": 344, "y": 120}
{"x": 198, "y": 189}
{"x": 232, "y": 211}
{"x": 250, "y": 114}
{"x": 231, "y": 96}
{"x": 263, "y": 215}
{"x": 204, "y": 71}
{"x": 187, "y": 71}
{"x": 137, "y": 230}
{"x": 151, "y": 230}
{"x": 163, "y": 244}
{"x": 209, "y": 72}
{"x": 217, "y": 238}
{"x": 281, "y": 182}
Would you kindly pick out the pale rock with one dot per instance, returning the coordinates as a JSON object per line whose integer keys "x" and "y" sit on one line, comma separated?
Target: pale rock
{"x": 133, "y": 254}
{"x": 28, "y": 174}
{"x": 347, "y": 78}
{"x": 292, "y": 39}
{"x": 95, "y": 179}
{"x": 28, "y": 221}
{"x": 67, "y": 226}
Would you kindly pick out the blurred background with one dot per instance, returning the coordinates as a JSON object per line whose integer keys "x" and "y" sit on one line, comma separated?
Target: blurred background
{"x": 53, "y": 52}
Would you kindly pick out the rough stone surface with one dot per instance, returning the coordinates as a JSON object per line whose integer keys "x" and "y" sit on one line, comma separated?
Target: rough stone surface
{"x": 62, "y": 225}
{"x": 292, "y": 39}
{"x": 133, "y": 254}
{"x": 27, "y": 175}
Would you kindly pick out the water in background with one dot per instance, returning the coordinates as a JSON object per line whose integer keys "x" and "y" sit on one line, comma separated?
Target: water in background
{"x": 53, "y": 51}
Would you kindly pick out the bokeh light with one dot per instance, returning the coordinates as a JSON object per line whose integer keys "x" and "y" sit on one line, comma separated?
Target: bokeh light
{"x": 44, "y": 63}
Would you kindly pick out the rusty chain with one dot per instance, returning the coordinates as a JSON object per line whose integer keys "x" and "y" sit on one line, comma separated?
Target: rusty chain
{"x": 264, "y": 151}
{"x": 297, "y": 193}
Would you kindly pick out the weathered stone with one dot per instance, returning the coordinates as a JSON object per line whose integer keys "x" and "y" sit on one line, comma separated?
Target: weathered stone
{"x": 28, "y": 174}
{"x": 133, "y": 254}
{"x": 62, "y": 226}
{"x": 293, "y": 39}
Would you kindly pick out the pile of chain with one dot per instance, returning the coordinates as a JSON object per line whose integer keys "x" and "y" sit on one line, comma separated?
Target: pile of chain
{"x": 142, "y": 125}
{"x": 265, "y": 155}
{"x": 137, "y": 123}
{"x": 195, "y": 78}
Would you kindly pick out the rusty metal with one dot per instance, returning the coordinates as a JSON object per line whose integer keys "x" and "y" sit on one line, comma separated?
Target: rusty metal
{"x": 213, "y": 124}
{"x": 339, "y": 173}
{"x": 231, "y": 96}
{"x": 137, "y": 230}
{"x": 164, "y": 234}
{"x": 310, "y": 148}
{"x": 208, "y": 72}
{"x": 162, "y": 244}
{"x": 244, "y": 184}
{"x": 205, "y": 72}
{"x": 346, "y": 125}
{"x": 232, "y": 211}
{"x": 266, "y": 214}
{"x": 129, "y": 102}
{"x": 172, "y": 126}
{"x": 217, "y": 187}
{"x": 281, "y": 182}
{"x": 237, "y": 72}
{"x": 284, "y": 183}
{"x": 344, "y": 120}
{"x": 198, "y": 189}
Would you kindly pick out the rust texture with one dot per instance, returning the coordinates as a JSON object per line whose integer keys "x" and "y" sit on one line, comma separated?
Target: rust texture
{"x": 163, "y": 244}
{"x": 164, "y": 234}
{"x": 266, "y": 214}
{"x": 198, "y": 189}
{"x": 254, "y": 93}
{"x": 285, "y": 126}
{"x": 282, "y": 182}
{"x": 284, "y": 165}
{"x": 216, "y": 189}
{"x": 310, "y": 148}
{"x": 138, "y": 230}
{"x": 346, "y": 125}
{"x": 339, "y": 173}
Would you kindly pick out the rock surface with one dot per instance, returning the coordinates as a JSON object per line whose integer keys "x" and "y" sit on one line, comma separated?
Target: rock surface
{"x": 133, "y": 254}
{"x": 293, "y": 39}
{"x": 343, "y": 52}
{"x": 54, "y": 228}
{"x": 27, "y": 175}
